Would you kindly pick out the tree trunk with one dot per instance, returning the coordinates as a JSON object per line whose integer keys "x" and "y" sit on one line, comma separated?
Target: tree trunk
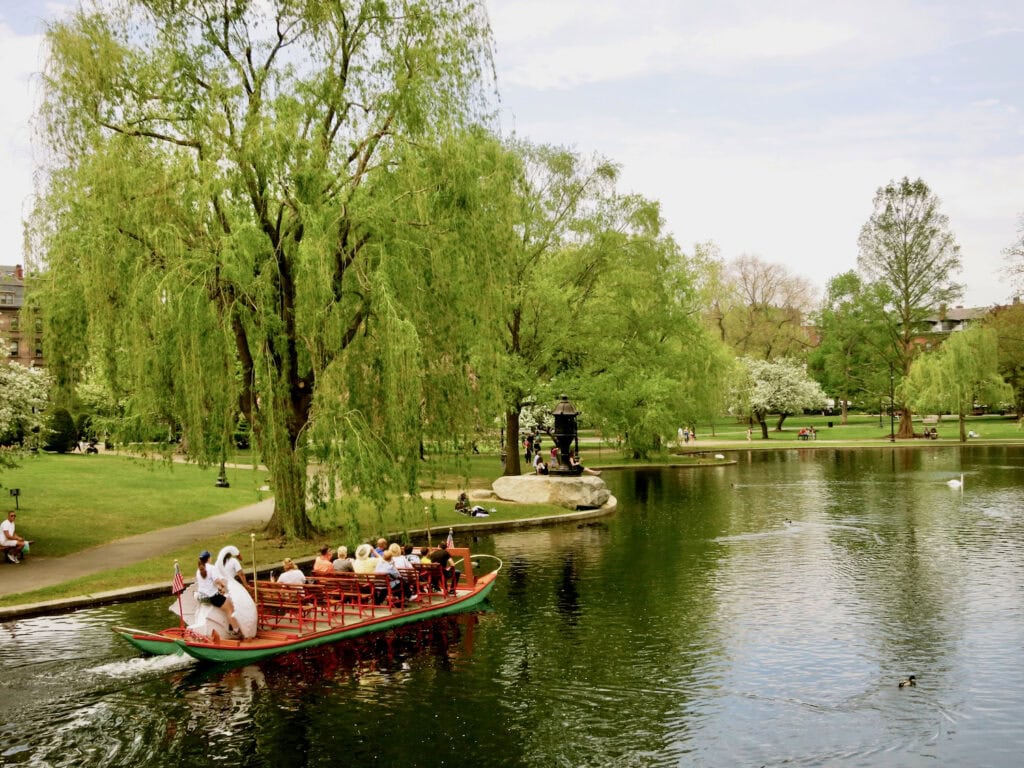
{"x": 962, "y": 417}
{"x": 512, "y": 465}
{"x": 759, "y": 415}
{"x": 906, "y": 429}
{"x": 288, "y": 479}
{"x": 842, "y": 411}
{"x": 782, "y": 418}
{"x": 285, "y": 456}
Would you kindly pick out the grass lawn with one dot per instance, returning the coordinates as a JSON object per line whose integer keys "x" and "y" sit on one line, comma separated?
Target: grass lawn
{"x": 75, "y": 501}
{"x": 863, "y": 427}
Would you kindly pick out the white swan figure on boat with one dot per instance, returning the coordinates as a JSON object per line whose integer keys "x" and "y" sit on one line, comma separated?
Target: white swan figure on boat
{"x": 954, "y": 483}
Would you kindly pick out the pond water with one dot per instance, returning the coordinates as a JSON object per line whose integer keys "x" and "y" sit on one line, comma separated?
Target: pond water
{"x": 754, "y": 614}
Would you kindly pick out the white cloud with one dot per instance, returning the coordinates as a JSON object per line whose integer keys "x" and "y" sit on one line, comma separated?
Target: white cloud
{"x": 19, "y": 61}
{"x": 564, "y": 43}
{"x": 768, "y": 128}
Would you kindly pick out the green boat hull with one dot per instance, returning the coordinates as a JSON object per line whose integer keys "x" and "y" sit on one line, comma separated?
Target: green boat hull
{"x": 147, "y": 642}
{"x": 227, "y": 654}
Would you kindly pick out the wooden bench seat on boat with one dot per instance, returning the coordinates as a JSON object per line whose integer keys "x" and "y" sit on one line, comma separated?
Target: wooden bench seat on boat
{"x": 287, "y": 606}
{"x": 365, "y": 591}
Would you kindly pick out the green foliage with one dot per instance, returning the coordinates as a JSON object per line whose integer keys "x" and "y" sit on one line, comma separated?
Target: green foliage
{"x": 84, "y": 427}
{"x": 645, "y": 364}
{"x": 907, "y": 245}
{"x": 24, "y": 395}
{"x": 271, "y": 209}
{"x": 853, "y": 358}
{"x": 63, "y": 433}
{"x": 1008, "y": 324}
{"x": 962, "y": 372}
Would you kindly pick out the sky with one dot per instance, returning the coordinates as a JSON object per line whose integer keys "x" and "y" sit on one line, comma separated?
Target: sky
{"x": 766, "y": 128}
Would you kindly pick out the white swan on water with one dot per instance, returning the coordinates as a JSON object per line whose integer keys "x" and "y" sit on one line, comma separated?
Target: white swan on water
{"x": 954, "y": 483}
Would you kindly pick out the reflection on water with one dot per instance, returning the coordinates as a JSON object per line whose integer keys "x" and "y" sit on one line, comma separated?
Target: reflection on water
{"x": 757, "y": 614}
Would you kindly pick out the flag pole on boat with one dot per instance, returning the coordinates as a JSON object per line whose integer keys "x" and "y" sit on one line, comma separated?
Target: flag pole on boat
{"x": 177, "y": 587}
{"x": 255, "y": 586}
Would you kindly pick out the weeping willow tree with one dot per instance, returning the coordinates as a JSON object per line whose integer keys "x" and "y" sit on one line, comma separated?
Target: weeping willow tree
{"x": 962, "y": 372}
{"x": 645, "y": 365}
{"x": 274, "y": 208}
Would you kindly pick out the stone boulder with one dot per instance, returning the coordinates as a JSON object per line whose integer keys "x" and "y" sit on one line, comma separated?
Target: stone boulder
{"x": 571, "y": 492}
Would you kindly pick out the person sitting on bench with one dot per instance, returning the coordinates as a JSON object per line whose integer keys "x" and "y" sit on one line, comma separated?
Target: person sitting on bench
{"x": 14, "y": 546}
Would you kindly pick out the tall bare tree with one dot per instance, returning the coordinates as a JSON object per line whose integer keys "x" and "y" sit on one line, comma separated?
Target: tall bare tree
{"x": 763, "y": 309}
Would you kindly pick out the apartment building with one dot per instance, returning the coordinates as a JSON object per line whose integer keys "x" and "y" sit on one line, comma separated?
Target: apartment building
{"x": 20, "y": 333}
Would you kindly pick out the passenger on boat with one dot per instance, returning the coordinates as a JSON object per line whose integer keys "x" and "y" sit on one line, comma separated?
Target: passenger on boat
{"x": 210, "y": 588}
{"x": 364, "y": 562}
{"x": 291, "y": 574}
{"x": 231, "y": 567}
{"x": 412, "y": 554}
{"x": 402, "y": 563}
{"x": 382, "y": 544}
{"x": 323, "y": 563}
{"x": 444, "y": 558}
{"x": 343, "y": 563}
{"x": 385, "y": 564}
{"x": 398, "y": 556}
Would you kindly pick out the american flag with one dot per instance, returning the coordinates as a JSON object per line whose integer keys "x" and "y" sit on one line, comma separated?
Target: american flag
{"x": 450, "y": 541}
{"x": 178, "y": 584}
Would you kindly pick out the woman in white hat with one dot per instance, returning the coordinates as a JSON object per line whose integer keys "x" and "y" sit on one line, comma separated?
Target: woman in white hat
{"x": 363, "y": 562}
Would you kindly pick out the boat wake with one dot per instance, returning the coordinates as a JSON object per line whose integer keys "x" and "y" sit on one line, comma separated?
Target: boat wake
{"x": 143, "y": 666}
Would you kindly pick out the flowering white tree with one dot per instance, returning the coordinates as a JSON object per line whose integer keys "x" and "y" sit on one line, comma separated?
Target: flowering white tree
{"x": 776, "y": 386}
{"x": 23, "y": 398}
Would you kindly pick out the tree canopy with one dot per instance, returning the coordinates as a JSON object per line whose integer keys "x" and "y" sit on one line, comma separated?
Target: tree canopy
{"x": 907, "y": 245}
{"x": 260, "y": 207}
{"x": 962, "y": 372}
{"x": 1008, "y": 324}
{"x": 761, "y": 309}
{"x": 852, "y": 358}
{"x": 774, "y": 386}
{"x": 24, "y": 395}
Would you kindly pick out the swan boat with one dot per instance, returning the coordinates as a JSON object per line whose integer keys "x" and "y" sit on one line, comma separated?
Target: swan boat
{"x": 323, "y": 610}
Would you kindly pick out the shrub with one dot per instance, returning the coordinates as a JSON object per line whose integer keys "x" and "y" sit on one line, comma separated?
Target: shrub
{"x": 63, "y": 432}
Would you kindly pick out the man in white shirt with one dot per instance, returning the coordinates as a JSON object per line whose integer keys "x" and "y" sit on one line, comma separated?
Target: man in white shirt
{"x": 12, "y": 543}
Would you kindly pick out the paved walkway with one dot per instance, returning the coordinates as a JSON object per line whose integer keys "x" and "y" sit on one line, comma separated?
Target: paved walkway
{"x": 36, "y": 573}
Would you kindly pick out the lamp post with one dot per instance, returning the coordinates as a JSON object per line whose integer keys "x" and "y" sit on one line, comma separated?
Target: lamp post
{"x": 565, "y": 434}
{"x": 892, "y": 404}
